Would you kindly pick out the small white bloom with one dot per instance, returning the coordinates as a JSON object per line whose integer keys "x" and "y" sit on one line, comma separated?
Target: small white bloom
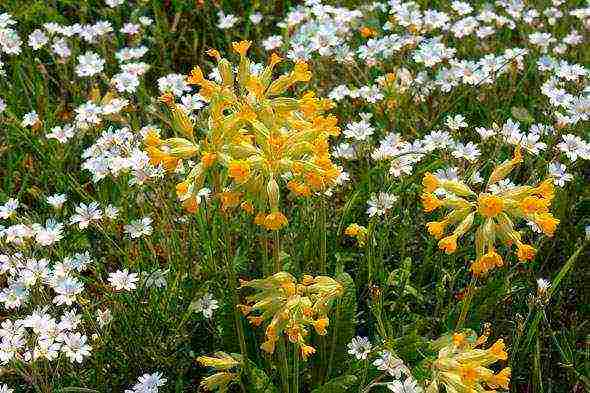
{"x": 360, "y": 347}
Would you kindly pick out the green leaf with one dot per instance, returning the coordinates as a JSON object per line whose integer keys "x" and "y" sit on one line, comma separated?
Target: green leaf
{"x": 337, "y": 385}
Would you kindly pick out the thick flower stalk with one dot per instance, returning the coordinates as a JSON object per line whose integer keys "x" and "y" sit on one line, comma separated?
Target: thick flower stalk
{"x": 462, "y": 364}
{"x": 291, "y": 308}
{"x": 255, "y": 137}
{"x": 494, "y": 214}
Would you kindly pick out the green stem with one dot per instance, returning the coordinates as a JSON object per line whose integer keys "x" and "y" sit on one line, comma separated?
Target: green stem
{"x": 466, "y": 303}
{"x": 284, "y": 366}
{"x": 232, "y": 280}
{"x": 295, "y": 369}
{"x": 323, "y": 238}
{"x": 277, "y": 251}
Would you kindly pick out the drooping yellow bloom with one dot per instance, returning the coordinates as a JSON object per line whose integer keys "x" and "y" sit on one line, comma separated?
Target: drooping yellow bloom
{"x": 493, "y": 214}
{"x": 291, "y": 308}
{"x": 430, "y": 202}
{"x": 462, "y": 365}
{"x": 547, "y": 223}
{"x": 275, "y": 221}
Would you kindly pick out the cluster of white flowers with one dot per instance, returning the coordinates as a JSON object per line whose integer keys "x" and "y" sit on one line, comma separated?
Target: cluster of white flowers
{"x": 41, "y": 333}
{"x": 118, "y": 151}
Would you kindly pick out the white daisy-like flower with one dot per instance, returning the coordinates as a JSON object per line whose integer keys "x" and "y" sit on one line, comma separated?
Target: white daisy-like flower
{"x": 122, "y": 280}
{"x": 360, "y": 347}
{"x": 380, "y": 203}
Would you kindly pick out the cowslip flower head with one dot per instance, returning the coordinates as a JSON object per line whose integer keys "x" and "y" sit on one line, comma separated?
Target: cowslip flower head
{"x": 463, "y": 364}
{"x": 492, "y": 213}
{"x": 290, "y": 308}
{"x": 255, "y": 134}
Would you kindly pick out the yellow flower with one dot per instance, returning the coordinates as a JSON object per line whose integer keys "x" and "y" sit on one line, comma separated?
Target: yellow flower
{"x": 239, "y": 170}
{"x": 301, "y": 72}
{"x": 461, "y": 366}
{"x": 498, "y": 350}
{"x": 247, "y": 207}
{"x": 490, "y": 205}
{"x": 436, "y": 228}
{"x": 152, "y": 138}
{"x": 500, "y": 380}
{"x": 320, "y": 326}
{"x": 208, "y": 159}
{"x": 241, "y": 47}
{"x": 486, "y": 263}
{"x": 547, "y": 223}
{"x": 448, "y": 244}
{"x": 525, "y": 252}
{"x": 275, "y": 221}
{"x": 367, "y": 32}
{"x": 307, "y": 351}
{"x": 291, "y": 307}
{"x": 430, "y": 202}
{"x": 430, "y": 182}
{"x": 468, "y": 374}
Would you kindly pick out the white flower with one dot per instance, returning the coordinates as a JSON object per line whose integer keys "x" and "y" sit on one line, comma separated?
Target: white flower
{"x": 89, "y": 64}
{"x": 111, "y": 212}
{"x": 130, "y": 28}
{"x": 206, "y": 305}
{"x": 273, "y": 42}
{"x": 173, "y": 83}
{"x": 559, "y": 174}
{"x": 67, "y": 288}
{"x": 360, "y": 347}
{"x": 86, "y": 214}
{"x": 9, "y": 208}
{"x": 114, "y": 3}
{"x": 149, "y": 383}
{"x": 51, "y": 233}
{"x": 381, "y": 203}
{"x": 543, "y": 286}
{"x": 226, "y": 21}
{"x": 470, "y": 152}
{"x": 30, "y": 119}
{"x": 572, "y": 146}
{"x": 360, "y": 130}
{"x": 37, "y": 39}
{"x": 5, "y": 389}
{"x": 2, "y": 103}
{"x": 103, "y": 317}
{"x": 75, "y": 347}
{"x": 391, "y": 364}
{"x": 123, "y": 280}
{"x": 256, "y": 18}
{"x": 62, "y": 134}
{"x": 408, "y": 386}
{"x": 456, "y": 122}
{"x": 125, "y": 82}
{"x": 139, "y": 228}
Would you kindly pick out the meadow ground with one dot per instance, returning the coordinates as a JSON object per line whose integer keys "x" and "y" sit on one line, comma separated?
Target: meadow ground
{"x": 287, "y": 196}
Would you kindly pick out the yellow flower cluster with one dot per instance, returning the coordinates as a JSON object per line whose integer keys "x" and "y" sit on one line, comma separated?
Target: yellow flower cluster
{"x": 359, "y": 232}
{"x": 291, "y": 307}
{"x": 462, "y": 366}
{"x": 495, "y": 212}
{"x": 256, "y": 135}
{"x": 223, "y": 363}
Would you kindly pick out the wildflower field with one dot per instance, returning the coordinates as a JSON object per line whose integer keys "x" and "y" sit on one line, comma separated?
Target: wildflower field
{"x": 294, "y": 196}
